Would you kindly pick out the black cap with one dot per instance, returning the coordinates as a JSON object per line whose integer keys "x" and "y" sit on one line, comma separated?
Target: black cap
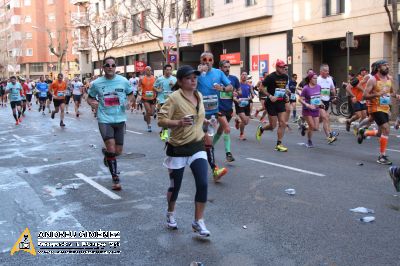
{"x": 186, "y": 70}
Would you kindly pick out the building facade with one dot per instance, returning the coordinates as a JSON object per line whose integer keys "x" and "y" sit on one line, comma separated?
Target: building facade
{"x": 27, "y": 29}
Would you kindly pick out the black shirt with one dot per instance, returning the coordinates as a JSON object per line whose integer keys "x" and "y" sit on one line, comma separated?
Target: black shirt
{"x": 274, "y": 81}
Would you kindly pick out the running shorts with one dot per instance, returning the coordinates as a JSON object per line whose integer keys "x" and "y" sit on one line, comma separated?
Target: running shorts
{"x": 227, "y": 114}
{"x": 380, "y": 118}
{"x": 114, "y": 131}
{"x": 15, "y": 103}
{"x": 275, "y": 108}
{"x": 77, "y": 98}
{"x": 58, "y": 102}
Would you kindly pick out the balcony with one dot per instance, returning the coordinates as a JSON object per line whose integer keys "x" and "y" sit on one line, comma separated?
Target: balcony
{"x": 80, "y": 2}
{"x": 80, "y": 20}
{"x": 82, "y": 45}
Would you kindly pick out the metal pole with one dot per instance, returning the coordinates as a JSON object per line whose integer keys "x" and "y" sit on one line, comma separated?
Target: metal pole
{"x": 177, "y": 35}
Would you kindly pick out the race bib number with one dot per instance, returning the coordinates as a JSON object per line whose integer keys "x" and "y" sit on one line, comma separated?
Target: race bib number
{"x": 210, "y": 102}
{"x": 279, "y": 93}
{"x": 60, "y": 93}
{"x": 315, "y": 100}
{"x": 149, "y": 94}
{"x": 111, "y": 100}
{"x": 225, "y": 95}
{"x": 43, "y": 94}
{"x": 243, "y": 102}
{"x": 325, "y": 92}
{"x": 293, "y": 96}
{"x": 384, "y": 100}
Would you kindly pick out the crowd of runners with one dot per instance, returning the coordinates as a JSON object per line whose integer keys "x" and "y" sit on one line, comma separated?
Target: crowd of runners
{"x": 194, "y": 107}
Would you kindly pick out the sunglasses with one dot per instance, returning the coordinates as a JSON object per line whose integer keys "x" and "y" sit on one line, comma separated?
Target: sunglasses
{"x": 108, "y": 65}
{"x": 207, "y": 59}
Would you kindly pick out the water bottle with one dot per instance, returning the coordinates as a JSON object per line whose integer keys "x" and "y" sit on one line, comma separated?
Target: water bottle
{"x": 212, "y": 126}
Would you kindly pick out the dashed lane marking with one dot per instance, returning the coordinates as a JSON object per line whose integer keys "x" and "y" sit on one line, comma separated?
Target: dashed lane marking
{"x": 286, "y": 167}
{"x": 98, "y": 186}
{"x": 134, "y": 132}
{"x": 19, "y": 138}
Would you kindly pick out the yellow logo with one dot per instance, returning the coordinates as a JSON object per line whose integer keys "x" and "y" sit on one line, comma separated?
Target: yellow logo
{"x": 24, "y": 243}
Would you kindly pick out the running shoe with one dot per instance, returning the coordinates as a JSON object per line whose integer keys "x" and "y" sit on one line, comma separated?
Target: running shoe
{"x": 395, "y": 178}
{"x": 116, "y": 185}
{"x": 310, "y": 144}
{"x": 166, "y": 135}
{"x": 331, "y": 139}
{"x": 237, "y": 123}
{"x": 281, "y": 148}
{"x": 397, "y": 124}
{"x": 335, "y": 133}
{"x": 171, "y": 222}
{"x": 360, "y": 135}
{"x": 62, "y": 124}
{"x": 200, "y": 228}
{"x": 43, "y": 113}
{"x": 303, "y": 130}
{"x": 229, "y": 157}
{"x": 348, "y": 125}
{"x": 17, "y": 122}
{"x": 382, "y": 159}
{"x": 355, "y": 131}
{"x": 20, "y": 120}
{"x": 52, "y": 115}
{"x": 77, "y": 115}
{"x": 218, "y": 173}
{"x": 259, "y": 132}
{"x": 242, "y": 137}
{"x": 148, "y": 128}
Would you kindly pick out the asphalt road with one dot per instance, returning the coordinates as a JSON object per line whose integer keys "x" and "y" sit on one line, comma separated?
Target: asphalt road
{"x": 314, "y": 227}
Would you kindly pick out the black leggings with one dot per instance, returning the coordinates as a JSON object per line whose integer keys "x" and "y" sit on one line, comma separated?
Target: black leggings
{"x": 199, "y": 169}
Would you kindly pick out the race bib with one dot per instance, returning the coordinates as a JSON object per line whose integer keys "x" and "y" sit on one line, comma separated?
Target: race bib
{"x": 60, "y": 93}
{"x": 315, "y": 100}
{"x": 225, "y": 95}
{"x": 325, "y": 92}
{"x": 43, "y": 94}
{"x": 384, "y": 100}
{"x": 210, "y": 102}
{"x": 243, "y": 102}
{"x": 279, "y": 93}
{"x": 149, "y": 94}
{"x": 293, "y": 96}
{"x": 111, "y": 100}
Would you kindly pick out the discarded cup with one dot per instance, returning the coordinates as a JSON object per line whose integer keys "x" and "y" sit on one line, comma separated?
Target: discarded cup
{"x": 244, "y": 227}
{"x": 196, "y": 263}
{"x": 262, "y": 176}
{"x": 45, "y": 159}
{"x": 290, "y": 191}
{"x": 367, "y": 219}
{"x": 93, "y": 146}
{"x": 58, "y": 186}
{"x": 360, "y": 164}
{"x": 362, "y": 210}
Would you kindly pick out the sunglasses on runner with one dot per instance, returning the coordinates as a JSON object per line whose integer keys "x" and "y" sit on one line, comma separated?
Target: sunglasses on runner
{"x": 108, "y": 65}
{"x": 207, "y": 59}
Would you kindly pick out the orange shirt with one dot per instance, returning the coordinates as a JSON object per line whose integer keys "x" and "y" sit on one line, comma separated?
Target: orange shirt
{"x": 358, "y": 93}
{"x": 148, "y": 92}
{"x": 58, "y": 89}
{"x": 380, "y": 104}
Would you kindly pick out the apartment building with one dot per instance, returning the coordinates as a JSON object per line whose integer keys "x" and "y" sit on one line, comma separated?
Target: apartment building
{"x": 27, "y": 27}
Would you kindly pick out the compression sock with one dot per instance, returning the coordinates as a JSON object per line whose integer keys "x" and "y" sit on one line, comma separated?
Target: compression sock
{"x": 217, "y": 136}
{"x": 227, "y": 142}
{"x": 383, "y": 141}
{"x": 371, "y": 133}
{"x": 210, "y": 156}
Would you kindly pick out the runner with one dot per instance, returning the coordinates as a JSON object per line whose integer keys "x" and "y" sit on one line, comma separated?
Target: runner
{"x": 327, "y": 89}
{"x": 134, "y": 81}
{"x": 378, "y": 91}
{"x": 163, "y": 86}
{"x": 14, "y": 88}
{"x": 210, "y": 83}
{"x": 114, "y": 97}
{"x": 146, "y": 86}
{"x": 68, "y": 93}
{"x": 292, "y": 97}
{"x": 355, "y": 90}
{"x": 275, "y": 85}
{"x": 43, "y": 89}
{"x": 3, "y": 94}
{"x": 225, "y": 103}
{"x": 49, "y": 95}
{"x": 184, "y": 113}
{"x": 242, "y": 107}
{"x": 25, "y": 90}
{"x": 57, "y": 89}
{"x": 262, "y": 97}
{"x": 310, "y": 98}
{"x": 29, "y": 93}
{"x": 77, "y": 92}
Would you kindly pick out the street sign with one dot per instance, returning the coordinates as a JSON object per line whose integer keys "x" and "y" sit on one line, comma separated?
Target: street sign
{"x": 349, "y": 39}
{"x": 172, "y": 58}
{"x": 140, "y": 66}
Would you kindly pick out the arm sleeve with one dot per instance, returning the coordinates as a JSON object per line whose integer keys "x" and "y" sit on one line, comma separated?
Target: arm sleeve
{"x": 166, "y": 112}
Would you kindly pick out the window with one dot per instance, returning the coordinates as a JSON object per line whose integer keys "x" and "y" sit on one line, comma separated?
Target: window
{"x": 97, "y": 8}
{"x": 146, "y": 16}
{"x": 334, "y": 7}
{"x": 36, "y": 67}
{"x": 114, "y": 30}
{"x": 104, "y": 4}
{"x": 251, "y": 2}
{"x": 228, "y": 1}
{"x": 28, "y": 35}
{"x": 135, "y": 24}
{"x": 133, "y": 2}
{"x": 27, "y": 2}
{"x": 50, "y": 2}
{"x": 172, "y": 10}
{"x": 29, "y": 52}
{"x": 98, "y": 39}
{"x": 187, "y": 11}
{"x": 15, "y": 19}
{"x": 112, "y": 3}
{"x": 52, "y": 17}
{"x": 124, "y": 27}
{"x": 28, "y": 19}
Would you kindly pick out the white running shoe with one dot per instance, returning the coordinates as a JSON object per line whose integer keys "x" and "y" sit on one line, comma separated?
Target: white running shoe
{"x": 171, "y": 222}
{"x": 200, "y": 228}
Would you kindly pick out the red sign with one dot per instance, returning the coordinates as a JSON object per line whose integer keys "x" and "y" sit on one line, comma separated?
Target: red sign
{"x": 263, "y": 60}
{"x": 140, "y": 66}
{"x": 234, "y": 58}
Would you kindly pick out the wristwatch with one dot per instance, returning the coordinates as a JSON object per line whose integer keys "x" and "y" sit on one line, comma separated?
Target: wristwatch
{"x": 223, "y": 88}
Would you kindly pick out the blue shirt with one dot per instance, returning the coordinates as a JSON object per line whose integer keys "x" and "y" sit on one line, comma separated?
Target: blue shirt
{"x": 164, "y": 83}
{"x": 246, "y": 90}
{"x": 225, "y": 99}
{"x": 15, "y": 91}
{"x": 205, "y": 85}
{"x": 43, "y": 88}
{"x": 112, "y": 98}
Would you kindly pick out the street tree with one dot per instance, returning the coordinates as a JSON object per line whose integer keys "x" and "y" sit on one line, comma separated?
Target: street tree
{"x": 59, "y": 47}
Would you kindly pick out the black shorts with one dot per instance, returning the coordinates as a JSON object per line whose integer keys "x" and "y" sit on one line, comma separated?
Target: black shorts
{"x": 77, "y": 98}
{"x": 114, "y": 131}
{"x": 49, "y": 96}
{"x": 245, "y": 110}
{"x": 15, "y": 104}
{"x": 326, "y": 104}
{"x": 227, "y": 114}
{"x": 380, "y": 118}
{"x": 29, "y": 97}
{"x": 154, "y": 101}
{"x": 58, "y": 102}
{"x": 275, "y": 108}
{"x": 67, "y": 99}
{"x": 357, "y": 107}
{"x": 42, "y": 99}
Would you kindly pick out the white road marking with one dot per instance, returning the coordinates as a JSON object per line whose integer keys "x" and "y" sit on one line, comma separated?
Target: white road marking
{"x": 98, "y": 186}
{"x": 19, "y": 138}
{"x": 134, "y": 132}
{"x": 286, "y": 167}
{"x": 70, "y": 118}
{"x": 81, "y": 239}
{"x": 392, "y": 150}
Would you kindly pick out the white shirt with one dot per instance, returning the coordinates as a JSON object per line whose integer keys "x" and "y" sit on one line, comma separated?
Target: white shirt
{"x": 134, "y": 82}
{"x": 77, "y": 87}
{"x": 326, "y": 85}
